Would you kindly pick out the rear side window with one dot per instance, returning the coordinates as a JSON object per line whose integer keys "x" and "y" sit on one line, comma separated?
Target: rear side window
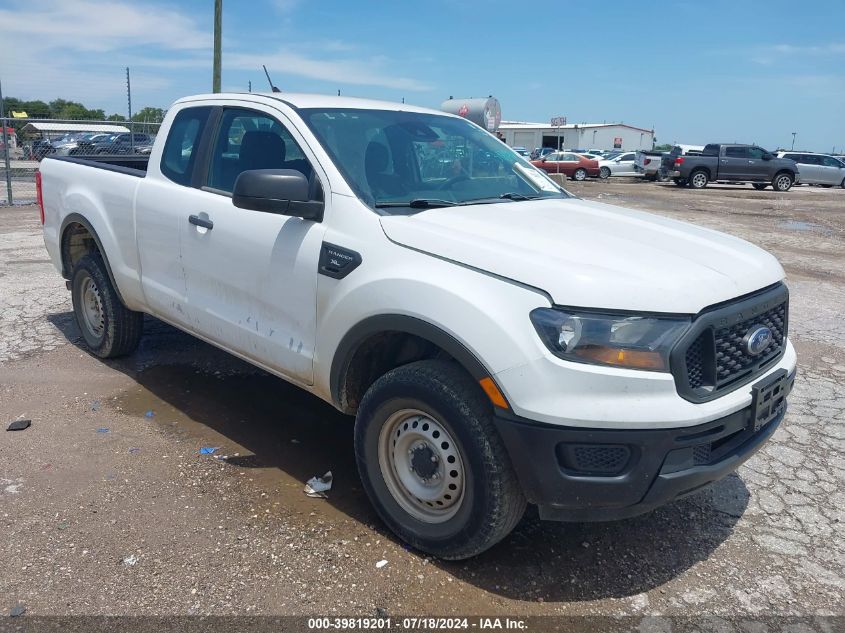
{"x": 737, "y": 152}
{"x": 809, "y": 159}
{"x": 180, "y": 149}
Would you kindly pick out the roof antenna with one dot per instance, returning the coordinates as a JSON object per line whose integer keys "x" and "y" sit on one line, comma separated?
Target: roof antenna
{"x": 269, "y": 81}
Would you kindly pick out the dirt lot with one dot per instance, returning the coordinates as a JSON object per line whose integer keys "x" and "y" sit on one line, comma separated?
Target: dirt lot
{"x": 107, "y": 507}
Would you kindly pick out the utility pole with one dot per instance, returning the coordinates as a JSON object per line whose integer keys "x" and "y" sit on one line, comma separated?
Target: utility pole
{"x": 218, "y": 29}
{"x": 4, "y": 123}
{"x": 129, "y": 120}
{"x": 793, "y": 139}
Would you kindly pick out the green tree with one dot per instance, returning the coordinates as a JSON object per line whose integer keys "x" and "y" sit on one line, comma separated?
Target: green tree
{"x": 148, "y": 115}
{"x": 665, "y": 147}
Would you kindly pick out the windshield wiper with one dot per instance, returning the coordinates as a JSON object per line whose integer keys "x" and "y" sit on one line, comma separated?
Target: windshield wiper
{"x": 420, "y": 203}
{"x": 515, "y": 195}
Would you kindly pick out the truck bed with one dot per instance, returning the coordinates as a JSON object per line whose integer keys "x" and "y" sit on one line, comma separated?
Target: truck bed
{"x": 132, "y": 165}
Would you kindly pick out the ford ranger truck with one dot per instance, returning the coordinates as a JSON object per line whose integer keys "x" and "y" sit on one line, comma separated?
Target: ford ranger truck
{"x": 734, "y": 163}
{"x": 498, "y": 340}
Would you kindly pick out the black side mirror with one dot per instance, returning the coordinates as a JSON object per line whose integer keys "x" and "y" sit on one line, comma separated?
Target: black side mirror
{"x": 280, "y": 191}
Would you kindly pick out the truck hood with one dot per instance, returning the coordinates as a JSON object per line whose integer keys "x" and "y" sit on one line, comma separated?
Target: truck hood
{"x": 589, "y": 254}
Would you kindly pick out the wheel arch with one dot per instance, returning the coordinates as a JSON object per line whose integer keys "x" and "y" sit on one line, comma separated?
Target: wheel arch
{"x": 351, "y": 374}
{"x": 66, "y": 248}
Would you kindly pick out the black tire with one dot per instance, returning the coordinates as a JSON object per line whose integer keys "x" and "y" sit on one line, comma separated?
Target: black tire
{"x": 842, "y": 184}
{"x": 698, "y": 179}
{"x": 759, "y": 186}
{"x": 826, "y": 186}
{"x": 782, "y": 182}
{"x": 118, "y": 329}
{"x": 580, "y": 174}
{"x": 491, "y": 502}
{"x": 604, "y": 173}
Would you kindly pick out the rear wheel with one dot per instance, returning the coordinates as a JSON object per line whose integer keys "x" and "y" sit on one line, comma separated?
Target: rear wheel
{"x": 759, "y": 186}
{"x": 580, "y": 174}
{"x": 433, "y": 463}
{"x": 109, "y": 328}
{"x": 604, "y": 173}
{"x": 842, "y": 184}
{"x": 698, "y": 179}
{"x": 782, "y": 182}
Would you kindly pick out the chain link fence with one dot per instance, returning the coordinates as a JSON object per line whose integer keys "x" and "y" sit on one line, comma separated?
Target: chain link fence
{"x": 24, "y": 142}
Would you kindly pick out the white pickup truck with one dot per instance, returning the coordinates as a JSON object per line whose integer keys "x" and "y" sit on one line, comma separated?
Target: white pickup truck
{"x": 499, "y": 341}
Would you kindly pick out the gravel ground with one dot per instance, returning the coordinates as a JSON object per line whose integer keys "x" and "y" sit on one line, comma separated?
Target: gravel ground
{"x": 107, "y": 507}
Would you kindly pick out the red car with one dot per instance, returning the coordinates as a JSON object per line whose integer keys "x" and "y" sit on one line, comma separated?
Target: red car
{"x": 573, "y": 165}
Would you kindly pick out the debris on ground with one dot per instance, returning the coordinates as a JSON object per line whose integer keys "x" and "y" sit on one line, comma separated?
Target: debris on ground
{"x": 381, "y": 564}
{"x": 18, "y": 425}
{"x": 95, "y": 406}
{"x": 130, "y": 560}
{"x": 17, "y": 611}
{"x": 149, "y": 414}
{"x": 134, "y": 450}
{"x": 63, "y": 525}
{"x": 209, "y": 450}
{"x": 103, "y": 429}
{"x": 318, "y": 486}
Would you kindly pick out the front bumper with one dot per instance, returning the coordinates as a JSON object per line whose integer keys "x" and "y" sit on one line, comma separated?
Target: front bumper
{"x": 558, "y": 467}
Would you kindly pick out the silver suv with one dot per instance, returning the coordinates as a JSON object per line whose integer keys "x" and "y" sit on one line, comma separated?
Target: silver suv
{"x": 818, "y": 169}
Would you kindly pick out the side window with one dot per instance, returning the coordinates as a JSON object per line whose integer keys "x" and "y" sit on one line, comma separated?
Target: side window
{"x": 810, "y": 159}
{"x": 247, "y": 140}
{"x": 737, "y": 152}
{"x": 177, "y": 160}
{"x": 756, "y": 152}
{"x": 829, "y": 161}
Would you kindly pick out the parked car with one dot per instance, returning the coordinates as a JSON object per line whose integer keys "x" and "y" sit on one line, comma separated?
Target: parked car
{"x": 818, "y": 169}
{"x": 732, "y": 163}
{"x": 521, "y": 151}
{"x": 114, "y": 144}
{"x": 619, "y": 165}
{"x": 77, "y": 143}
{"x": 539, "y": 152}
{"x": 647, "y": 163}
{"x": 498, "y": 340}
{"x": 574, "y": 165}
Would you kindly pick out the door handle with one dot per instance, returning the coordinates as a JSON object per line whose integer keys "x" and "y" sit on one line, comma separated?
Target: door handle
{"x": 198, "y": 221}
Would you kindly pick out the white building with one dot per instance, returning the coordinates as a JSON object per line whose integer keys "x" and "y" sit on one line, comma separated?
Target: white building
{"x": 577, "y": 136}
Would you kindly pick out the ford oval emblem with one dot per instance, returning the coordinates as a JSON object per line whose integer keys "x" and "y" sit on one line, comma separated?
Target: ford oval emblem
{"x": 758, "y": 339}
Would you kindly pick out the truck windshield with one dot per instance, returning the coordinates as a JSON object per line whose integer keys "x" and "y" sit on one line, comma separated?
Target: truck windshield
{"x": 397, "y": 161}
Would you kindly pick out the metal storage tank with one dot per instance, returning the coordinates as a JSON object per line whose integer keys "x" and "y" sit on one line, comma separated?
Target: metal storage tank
{"x": 484, "y": 112}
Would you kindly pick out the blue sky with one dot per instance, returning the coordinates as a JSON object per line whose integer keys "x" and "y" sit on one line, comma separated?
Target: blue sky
{"x": 750, "y": 71}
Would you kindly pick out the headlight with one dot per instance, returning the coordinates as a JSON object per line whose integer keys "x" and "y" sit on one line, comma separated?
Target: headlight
{"x": 619, "y": 340}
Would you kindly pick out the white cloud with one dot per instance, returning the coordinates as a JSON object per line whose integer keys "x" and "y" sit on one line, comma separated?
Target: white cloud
{"x": 366, "y": 72}
{"x": 768, "y": 55}
{"x": 87, "y": 25}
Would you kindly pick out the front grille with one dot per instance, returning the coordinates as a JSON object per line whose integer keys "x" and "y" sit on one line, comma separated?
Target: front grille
{"x": 732, "y": 359}
{"x": 713, "y": 357}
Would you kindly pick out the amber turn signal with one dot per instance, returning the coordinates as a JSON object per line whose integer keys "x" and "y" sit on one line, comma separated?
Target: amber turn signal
{"x": 633, "y": 358}
{"x": 493, "y": 392}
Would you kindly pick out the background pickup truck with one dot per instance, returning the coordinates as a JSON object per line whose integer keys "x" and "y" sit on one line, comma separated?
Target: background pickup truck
{"x": 734, "y": 163}
{"x": 498, "y": 341}
{"x": 647, "y": 163}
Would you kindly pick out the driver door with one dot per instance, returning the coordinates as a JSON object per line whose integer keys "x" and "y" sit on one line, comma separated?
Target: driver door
{"x": 250, "y": 276}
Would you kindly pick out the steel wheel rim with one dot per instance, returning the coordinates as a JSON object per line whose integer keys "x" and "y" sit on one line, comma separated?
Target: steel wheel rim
{"x": 699, "y": 180}
{"x": 783, "y": 183}
{"x": 422, "y": 466}
{"x": 580, "y": 174}
{"x": 92, "y": 308}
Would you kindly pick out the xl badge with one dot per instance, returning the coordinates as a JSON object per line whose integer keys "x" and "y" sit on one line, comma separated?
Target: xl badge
{"x": 757, "y": 340}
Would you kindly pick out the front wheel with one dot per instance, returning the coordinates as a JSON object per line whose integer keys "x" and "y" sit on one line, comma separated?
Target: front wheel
{"x": 604, "y": 173}
{"x": 782, "y": 182}
{"x": 580, "y": 174}
{"x": 698, "y": 180}
{"x": 432, "y": 462}
{"x": 109, "y": 328}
